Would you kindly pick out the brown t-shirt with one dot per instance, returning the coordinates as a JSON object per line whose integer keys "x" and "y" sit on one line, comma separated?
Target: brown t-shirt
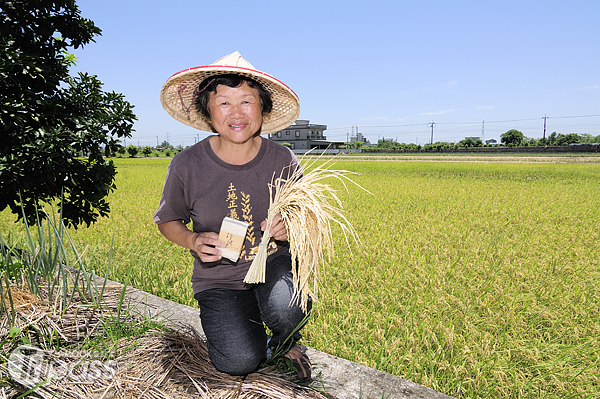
{"x": 201, "y": 188}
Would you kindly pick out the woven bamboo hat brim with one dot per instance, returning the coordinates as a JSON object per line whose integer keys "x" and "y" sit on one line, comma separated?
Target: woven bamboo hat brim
{"x": 179, "y": 92}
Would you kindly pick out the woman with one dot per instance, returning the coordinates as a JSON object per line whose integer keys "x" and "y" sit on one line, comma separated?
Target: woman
{"x": 227, "y": 175}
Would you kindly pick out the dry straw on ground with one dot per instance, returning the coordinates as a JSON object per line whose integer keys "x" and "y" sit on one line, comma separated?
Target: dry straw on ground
{"x": 168, "y": 362}
{"x": 307, "y": 206}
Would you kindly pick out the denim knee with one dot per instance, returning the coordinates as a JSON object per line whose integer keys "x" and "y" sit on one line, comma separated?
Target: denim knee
{"x": 235, "y": 335}
{"x": 241, "y": 363}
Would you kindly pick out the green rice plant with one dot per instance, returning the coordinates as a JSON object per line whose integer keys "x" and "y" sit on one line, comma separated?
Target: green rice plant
{"x": 477, "y": 279}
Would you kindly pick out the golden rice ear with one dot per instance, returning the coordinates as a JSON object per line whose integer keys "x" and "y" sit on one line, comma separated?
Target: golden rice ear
{"x": 307, "y": 207}
{"x": 256, "y": 273}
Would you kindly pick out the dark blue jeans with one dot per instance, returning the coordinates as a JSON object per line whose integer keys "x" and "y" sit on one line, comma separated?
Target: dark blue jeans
{"x": 232, "y": 320}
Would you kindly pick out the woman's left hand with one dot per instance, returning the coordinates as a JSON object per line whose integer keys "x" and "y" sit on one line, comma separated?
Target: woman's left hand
{"x": 278, "y": 230}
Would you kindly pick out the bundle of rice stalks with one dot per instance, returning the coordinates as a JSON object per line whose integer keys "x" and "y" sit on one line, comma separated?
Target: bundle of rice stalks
{"x": 307, "y": 206}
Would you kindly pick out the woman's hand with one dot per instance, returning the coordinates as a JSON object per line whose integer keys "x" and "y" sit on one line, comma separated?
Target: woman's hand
{"x": 277, "y": 230}
{"x": 206, "y": 245}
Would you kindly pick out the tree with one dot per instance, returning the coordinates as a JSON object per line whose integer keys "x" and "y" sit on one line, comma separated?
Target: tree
{"x": 512, "y": 137}
{"x": 469, "y": 142}
{"x": 552, "y": 138}
{"x": 121, "y": 150}
{"x": 166, "y": 146}
{"x": 588, "y": 138}
{"x": 147, "y": 150}
{"x": 384, "y": 144}
{"x": 132, "y": 150}
{"x": 55, "y": 128}
{"x": 566, "y": 139}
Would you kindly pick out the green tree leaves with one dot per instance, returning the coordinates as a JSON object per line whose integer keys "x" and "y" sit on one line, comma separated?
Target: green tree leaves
{"x": 55, "y": 129}
{"x": 512, "y": 137}
{"x": 132, "y": 150}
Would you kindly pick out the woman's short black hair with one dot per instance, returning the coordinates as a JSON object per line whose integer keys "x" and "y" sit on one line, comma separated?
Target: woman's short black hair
{"x": 209, "y": 85}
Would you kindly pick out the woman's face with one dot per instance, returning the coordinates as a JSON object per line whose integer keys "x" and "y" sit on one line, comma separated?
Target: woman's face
{"x": 235, "y": 112}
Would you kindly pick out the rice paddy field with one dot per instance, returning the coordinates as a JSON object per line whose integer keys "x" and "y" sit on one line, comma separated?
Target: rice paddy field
{"x": 478, "y": 279}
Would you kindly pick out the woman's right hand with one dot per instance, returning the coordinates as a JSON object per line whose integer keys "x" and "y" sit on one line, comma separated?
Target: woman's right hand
{"x": 207, "y": 245}
{"x": 204, "y": 244}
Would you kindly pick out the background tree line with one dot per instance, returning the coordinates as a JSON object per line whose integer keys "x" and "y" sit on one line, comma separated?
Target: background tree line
{"x": 164, "y": 149}
{"x": 511, "y": 138}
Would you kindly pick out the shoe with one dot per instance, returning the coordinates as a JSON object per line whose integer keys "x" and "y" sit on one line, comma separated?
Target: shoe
{"x": 299, "y": 363}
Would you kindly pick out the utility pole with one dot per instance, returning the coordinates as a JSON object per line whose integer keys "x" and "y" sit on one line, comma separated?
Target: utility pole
{"x": 156, "y": 141}
{"x": 432, "y": 124}
{"x": 482, "y": 132}
{"x": 544, "y": 118}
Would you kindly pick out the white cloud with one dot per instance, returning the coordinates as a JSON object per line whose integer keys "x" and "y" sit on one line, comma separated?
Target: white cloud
{"x": 590, "y": 87}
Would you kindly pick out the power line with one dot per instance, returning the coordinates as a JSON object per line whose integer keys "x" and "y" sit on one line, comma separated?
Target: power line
{"x": 574, "y": 116}
{"x": 345, "y": 127}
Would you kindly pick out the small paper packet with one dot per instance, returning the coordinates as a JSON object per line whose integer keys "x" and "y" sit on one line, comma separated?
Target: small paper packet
{"x": 233, "y": 234}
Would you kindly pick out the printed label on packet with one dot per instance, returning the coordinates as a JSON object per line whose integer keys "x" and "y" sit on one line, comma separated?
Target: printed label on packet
{"x": 233, "y": 234}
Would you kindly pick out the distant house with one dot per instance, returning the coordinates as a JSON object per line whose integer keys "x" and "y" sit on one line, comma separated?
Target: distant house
{"x": 303, "y": 136}
{"x": 491, "y": 141}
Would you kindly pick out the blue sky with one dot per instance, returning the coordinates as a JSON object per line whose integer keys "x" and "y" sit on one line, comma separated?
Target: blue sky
{"x": 386, "y": 68}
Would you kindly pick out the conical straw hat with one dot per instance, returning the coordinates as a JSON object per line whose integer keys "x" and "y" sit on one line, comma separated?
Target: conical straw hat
{"x": 179, "y": 91}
